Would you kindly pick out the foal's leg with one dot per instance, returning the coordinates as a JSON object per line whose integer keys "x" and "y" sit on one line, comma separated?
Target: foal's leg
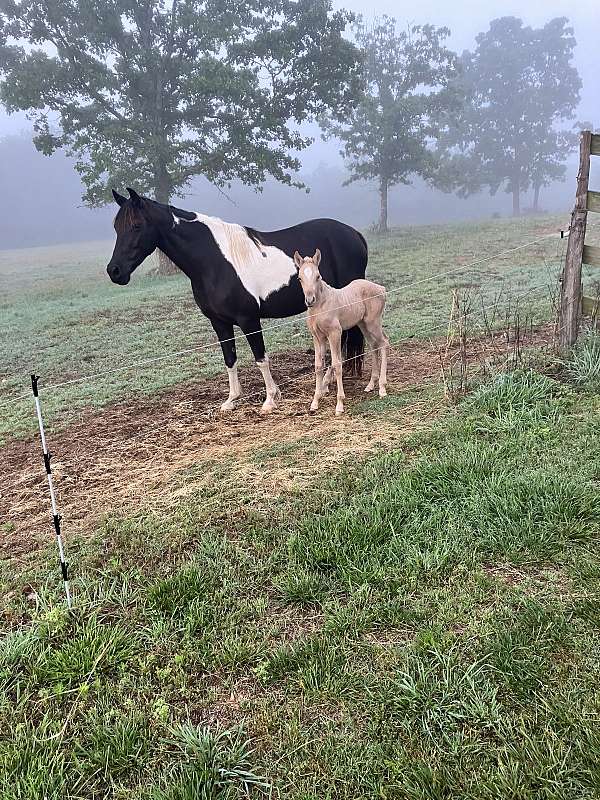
{"x": 335, "y": 345}
{"x": 253, "y": 333}
{"x": 374, "y": 359}
{"x": 319, "y": 345}
{"x": 383, "y": 369}
{"x": 374, "y": 368}
{"x": 225, "y": 333}
{"x": 381, "y": 344}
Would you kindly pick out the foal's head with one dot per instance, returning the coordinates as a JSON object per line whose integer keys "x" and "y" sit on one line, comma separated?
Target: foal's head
{"x": 138, "y": 232}
{"x": 309, "y": 276}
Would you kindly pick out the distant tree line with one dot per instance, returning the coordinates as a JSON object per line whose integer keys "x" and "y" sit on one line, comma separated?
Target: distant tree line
{"x": 154, "y": 93}
{"x": 489, "y": 118}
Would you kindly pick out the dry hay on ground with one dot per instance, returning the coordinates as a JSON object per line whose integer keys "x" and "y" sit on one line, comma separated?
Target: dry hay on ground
{"x": 152, "y": 452}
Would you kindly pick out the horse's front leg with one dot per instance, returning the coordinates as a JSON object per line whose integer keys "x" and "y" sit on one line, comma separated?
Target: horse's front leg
{"x": 253, "y": 333}
{"x": 320, "y": 389}
{"x": 335, "y": 345}
{"x": 226, "y": 338}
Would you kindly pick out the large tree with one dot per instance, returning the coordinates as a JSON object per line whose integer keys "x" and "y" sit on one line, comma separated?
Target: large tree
{"x": 155, "y": 92}
{"x": 520, "y": 87}
{"x": 390, "y": 136}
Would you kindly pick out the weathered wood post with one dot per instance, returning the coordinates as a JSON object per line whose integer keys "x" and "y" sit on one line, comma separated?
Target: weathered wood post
{"x": 570, "y": 292}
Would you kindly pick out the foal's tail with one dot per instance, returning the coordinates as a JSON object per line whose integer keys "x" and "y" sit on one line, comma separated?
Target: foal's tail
{"x": 353, "y": 349}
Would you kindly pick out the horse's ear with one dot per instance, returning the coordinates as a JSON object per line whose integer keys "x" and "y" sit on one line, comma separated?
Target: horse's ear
{"x": 134, "y": 197}
{"x": 119, "y": 199}
{"x": 297, "y": 260}
{"x": 317, "y": 257}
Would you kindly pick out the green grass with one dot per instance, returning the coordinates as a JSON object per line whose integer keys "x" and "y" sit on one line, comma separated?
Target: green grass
{"x": 61, "y": 317}
{"x": 584, "y": 361}
{"x": 423, "y": 624}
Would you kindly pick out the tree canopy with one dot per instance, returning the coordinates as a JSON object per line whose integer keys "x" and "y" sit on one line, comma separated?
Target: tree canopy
{"x": 155, "y": 92}
{"x": 409, "y": 79}
{"x": 519, "y": 84}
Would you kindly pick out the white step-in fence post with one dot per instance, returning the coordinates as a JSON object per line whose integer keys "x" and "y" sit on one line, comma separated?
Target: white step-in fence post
{"x": 55, "y": 515}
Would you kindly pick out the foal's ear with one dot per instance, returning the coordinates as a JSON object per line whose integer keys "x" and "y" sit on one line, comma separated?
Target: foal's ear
{"x": 298, "y": 260}
{"x": 317, "y": 257}
{"x": 134, "y": 197}
{"x": 119, "y": 199}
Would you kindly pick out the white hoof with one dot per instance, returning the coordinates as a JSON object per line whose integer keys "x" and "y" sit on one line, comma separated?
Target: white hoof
{"x": 382, "y": 391}
{"x": 314, "y": 406}
{"x": 267, "y": 407}
{"x": 370, "y": 386}
{"x": 339, "y": 410}
{"x": 228, "y": 405}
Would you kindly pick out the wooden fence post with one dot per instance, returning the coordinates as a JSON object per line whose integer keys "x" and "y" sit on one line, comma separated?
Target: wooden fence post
{"x": 570, "y": 293}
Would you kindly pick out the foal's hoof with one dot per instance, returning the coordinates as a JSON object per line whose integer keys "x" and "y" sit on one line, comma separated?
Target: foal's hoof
{"x": 267, "y": 408}
{"x": 369, "y": 387}
{"x": 382, "y": 392}
{"x": 228, "y": 405}
{"x": 339, "y": 410}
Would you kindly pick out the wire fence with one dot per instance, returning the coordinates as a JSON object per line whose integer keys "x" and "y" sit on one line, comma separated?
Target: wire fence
{"x": 211, "y": 345}
{"x": 209, "y": 411}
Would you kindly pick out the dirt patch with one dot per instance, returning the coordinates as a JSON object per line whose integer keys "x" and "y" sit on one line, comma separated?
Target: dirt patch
{"x": 532, "y": 578}
{"x": 153, "y": 452}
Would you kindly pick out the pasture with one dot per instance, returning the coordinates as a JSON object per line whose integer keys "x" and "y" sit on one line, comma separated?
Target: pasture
{"x": 402, "y": 603}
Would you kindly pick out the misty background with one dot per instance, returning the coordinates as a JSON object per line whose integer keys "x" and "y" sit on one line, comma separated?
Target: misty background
{"x": 40, "y": 202}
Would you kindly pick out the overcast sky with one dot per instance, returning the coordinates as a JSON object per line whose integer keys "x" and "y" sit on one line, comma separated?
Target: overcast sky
{"x": 466, "y": 20}
{"x": 356, "y": 204}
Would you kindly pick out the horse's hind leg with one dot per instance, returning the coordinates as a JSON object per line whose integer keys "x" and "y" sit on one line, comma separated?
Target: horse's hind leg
{"x": 380, "y": 344}
{"x": 374, "y": 369}
{"x": 253, "y": 333}
{"x": 374, "y": 359}
{"x": 225, "y": 333}
{"x": 383, "y": 368}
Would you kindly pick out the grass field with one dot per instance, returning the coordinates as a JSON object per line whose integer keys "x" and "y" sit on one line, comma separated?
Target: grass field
{"x": 61, "y": 317}
{"x": 418, "y": 624}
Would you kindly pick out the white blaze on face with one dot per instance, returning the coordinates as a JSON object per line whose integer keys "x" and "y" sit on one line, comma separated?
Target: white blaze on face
{"x": 307, "y": 272}
{"x": 260, "y": 275}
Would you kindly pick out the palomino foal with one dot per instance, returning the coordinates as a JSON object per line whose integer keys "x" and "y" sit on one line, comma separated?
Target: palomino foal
{"x": 331, "y": 311}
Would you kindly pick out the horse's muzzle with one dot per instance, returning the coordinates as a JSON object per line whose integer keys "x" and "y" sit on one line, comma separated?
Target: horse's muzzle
{"x": 117, "y": 275}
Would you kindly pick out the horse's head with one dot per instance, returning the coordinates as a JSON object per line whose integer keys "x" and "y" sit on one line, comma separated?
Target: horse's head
{"x": 137, "y": 235}
{"x": 309, "y": 276}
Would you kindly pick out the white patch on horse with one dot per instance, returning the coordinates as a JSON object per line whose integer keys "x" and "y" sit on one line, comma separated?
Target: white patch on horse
{"x": 307, "y": 272}
{"x": 262, "y": 269}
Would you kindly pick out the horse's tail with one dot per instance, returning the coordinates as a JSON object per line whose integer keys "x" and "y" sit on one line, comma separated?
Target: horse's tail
{"x": 353, "y": 349}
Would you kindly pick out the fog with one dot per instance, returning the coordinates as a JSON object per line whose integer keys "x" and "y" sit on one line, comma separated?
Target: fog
{"x": 40, "y": 202}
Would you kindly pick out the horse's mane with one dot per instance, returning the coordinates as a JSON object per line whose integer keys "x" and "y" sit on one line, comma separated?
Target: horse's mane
{"x": 240, "y": 245}
{"x": 127, "y": 216}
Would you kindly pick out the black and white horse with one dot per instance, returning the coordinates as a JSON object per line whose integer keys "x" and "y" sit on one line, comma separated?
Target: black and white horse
{"x": 239, "y": 275}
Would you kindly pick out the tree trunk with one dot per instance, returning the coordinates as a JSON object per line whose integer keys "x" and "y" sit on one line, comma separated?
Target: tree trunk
{"x": 383, "y": 213}
{"x": 516, "y": 183}
{"x": 516, "y": 201}
{"x": 536, "y": 197}
{"x": 163, "y": 195}
{"x": 165, "y": 265}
